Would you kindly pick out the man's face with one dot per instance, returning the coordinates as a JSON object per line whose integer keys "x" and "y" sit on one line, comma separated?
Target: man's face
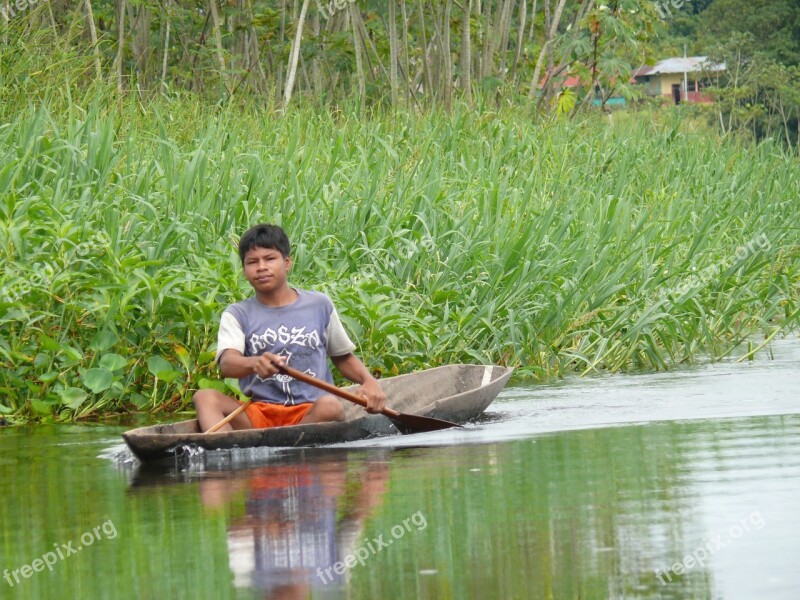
{"x": 266, "y": 269}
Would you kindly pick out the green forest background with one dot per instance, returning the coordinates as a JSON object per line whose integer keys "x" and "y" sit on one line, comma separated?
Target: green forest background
{"x": 415, "y": 54}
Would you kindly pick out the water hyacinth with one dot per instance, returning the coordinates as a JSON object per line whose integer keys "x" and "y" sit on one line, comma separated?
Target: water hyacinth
{"x": 556, "y": 248}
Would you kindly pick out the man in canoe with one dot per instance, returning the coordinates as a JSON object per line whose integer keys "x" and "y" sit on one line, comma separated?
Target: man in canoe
{"x": 284, "y": 325}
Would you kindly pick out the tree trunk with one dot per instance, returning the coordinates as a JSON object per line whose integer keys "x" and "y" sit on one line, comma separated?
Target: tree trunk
{"x": 358, "y": 48}
{"x": 486, "y": 57}
{"x": 133, "y": 22}
{"x": 546, "y": 19}
{"x": 120, "y": 41}
{"x": 586, "y": 6}
{"x": 255, "y": 51}
{"x": 316, "y": 74}
{"x": 406, "y": 64}
{"x": 281, "y": 38}
{"x": 212, "y": 4}
{"x": 425, "y": 64}
{"x": 140, "y": 19}
{"x": 291, "y": 69}
{"x": 550, "y": 61}
{"x": 533, "y": 22}
{"x": 550, "y": 34}
{"x": 466, "y": 52}
{"x": 93, "y": 37}
{"x": 437, "y": 64}
{"x": 476, "y": 53}
{"x": 505, "y": 28}
{"x": 495, "y": 41}
{"x": 368, "y": 40}
{"x": 393, "y": 53}
{"x": 523, "y": 15}
{"x": 5, "y": 12}
{"x": 447, "y": 58}
{"x": 7, "y": 9}
{"x": 165, "y": 56}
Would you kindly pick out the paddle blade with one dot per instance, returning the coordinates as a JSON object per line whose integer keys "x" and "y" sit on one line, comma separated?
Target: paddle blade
{"x": 415, "y": 424}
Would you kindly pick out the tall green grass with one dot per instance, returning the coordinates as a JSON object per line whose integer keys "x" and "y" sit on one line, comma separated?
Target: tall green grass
{"x": 556, "y": 248}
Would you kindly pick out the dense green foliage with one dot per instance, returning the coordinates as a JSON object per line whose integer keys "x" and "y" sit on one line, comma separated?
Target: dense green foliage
{"x": 759, "y": 43}
{"x": 774, "y": 23}
{"x": 409, "y": 53}
{"x": 470, "y": 237}
{"x": 702, "y": 24}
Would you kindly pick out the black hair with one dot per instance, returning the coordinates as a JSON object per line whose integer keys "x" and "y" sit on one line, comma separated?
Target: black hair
{"x": 264, "y": 235}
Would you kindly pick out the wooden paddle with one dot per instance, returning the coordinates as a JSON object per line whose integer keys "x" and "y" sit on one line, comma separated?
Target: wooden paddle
{"x": 230, "y": 417}
{"x": 405, "y": 423}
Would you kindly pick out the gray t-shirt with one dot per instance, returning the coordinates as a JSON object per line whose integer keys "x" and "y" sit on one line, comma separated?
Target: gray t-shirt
{"x": 305, "y": 333}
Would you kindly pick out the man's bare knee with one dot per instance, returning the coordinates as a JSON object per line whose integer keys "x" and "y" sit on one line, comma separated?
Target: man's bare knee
{"x": 332, "y": 408}
{"x": 200, "y": 398}
{"x": 212, "y": 406}
{"x": 206, "y": 398}
{"x": 326, "y": 408}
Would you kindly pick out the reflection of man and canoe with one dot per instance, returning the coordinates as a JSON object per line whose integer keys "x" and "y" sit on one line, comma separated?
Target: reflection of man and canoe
{"x": 304, "y": 512}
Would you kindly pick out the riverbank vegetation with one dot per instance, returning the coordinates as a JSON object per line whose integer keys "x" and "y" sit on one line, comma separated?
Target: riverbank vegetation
{"x": 574, "y": 246}
{"x": 453, "y": 208}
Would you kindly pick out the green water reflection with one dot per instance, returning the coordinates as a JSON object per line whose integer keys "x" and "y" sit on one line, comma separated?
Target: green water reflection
{"x": 580, "y": 514}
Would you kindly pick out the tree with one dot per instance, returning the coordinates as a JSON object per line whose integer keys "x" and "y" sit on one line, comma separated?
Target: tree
{"x": 757, "y": 94}
{"x": 434, "y": 57}
{"x": 291, "y": 69}
{"x": 774, "y": 23}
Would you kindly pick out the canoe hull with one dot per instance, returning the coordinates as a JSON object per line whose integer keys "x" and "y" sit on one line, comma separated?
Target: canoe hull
{"x": 455, "y": 393}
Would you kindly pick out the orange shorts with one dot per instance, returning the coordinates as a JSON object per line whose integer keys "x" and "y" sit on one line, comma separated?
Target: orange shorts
{"x": 266, "y": 414}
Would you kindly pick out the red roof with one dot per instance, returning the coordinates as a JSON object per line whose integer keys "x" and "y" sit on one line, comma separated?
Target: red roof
{"x": 572, "y": 81}
{"x": 569, "y": 82}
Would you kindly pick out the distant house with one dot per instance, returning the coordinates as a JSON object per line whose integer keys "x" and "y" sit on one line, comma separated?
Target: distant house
{"x": 681, "y": 79}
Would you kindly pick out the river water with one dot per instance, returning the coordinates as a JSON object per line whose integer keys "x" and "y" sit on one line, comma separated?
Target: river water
{"x": 671, "y": 485}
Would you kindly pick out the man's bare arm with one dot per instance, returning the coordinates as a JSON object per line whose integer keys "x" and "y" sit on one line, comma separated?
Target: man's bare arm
{"x": 233, "y": 364}
{"x": 351, "y": 367}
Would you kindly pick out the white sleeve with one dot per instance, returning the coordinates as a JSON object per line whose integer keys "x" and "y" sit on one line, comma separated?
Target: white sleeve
{"x": 231, "y": 336}
{"x": 338, "y": 343}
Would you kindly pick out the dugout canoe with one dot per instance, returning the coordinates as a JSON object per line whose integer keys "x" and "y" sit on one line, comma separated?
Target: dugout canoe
{"x": 455, "y": 393}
